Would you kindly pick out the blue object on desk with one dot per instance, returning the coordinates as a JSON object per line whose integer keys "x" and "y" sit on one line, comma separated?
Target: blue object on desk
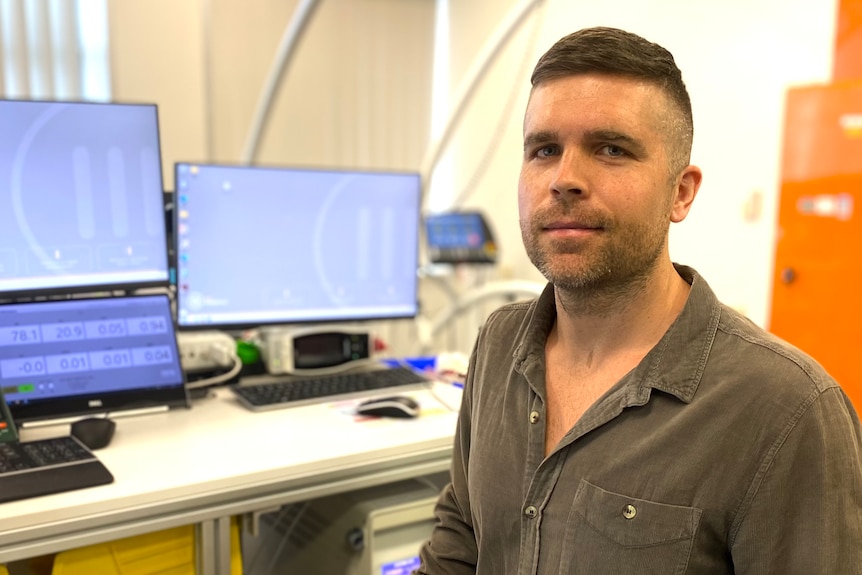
{"x": 421, "y": 363}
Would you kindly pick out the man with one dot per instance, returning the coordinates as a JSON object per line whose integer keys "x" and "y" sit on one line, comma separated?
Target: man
{"x": 626, "y": 422}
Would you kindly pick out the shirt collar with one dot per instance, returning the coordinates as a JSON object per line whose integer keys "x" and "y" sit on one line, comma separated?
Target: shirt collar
{"x": 676, "y": 363}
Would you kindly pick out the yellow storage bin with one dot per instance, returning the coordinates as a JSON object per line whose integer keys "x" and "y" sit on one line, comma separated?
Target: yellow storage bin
{"x": 168, "y": 552}
{"x": 3, "y": 570}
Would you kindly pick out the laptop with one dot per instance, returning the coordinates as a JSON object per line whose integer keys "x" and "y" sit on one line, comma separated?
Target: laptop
{"x": 73, "y": 358}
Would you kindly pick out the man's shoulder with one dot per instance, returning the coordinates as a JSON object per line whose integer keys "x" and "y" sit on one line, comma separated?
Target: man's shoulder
{"x": 511, "y": 325}
{"x": 514, "y": 310}
{"x": 512, "y": 316}
{"x": 762, "y": 351}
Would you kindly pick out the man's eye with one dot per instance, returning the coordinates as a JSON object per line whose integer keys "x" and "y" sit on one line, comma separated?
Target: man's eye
{"x": 547, "y": 151}
{"x": 614, "y": 151}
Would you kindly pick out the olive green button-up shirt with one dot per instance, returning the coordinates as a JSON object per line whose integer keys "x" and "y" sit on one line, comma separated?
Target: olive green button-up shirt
{"x": 724, "y": 451}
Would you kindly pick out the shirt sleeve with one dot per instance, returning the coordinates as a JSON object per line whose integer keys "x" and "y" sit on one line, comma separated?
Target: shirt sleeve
{"x": 805, "y": 515}
{"x": 452, "y": 548}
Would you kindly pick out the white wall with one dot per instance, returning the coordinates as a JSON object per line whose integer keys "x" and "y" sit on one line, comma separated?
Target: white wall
{"x": 204, "y": 62}
{"x": 155, "y": 49}
{"x": 738, "y": 57}
{"x": 355, "y": 93}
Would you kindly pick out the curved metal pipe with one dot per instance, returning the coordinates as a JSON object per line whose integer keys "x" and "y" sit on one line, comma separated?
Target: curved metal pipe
{"x": 481, "y": 65}
{"x": 289, "y": 40}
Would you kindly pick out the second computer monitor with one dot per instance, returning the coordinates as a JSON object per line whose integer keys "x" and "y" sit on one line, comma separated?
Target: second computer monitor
{"x": 265, "y": 245}
{"x": 81, "y": 201}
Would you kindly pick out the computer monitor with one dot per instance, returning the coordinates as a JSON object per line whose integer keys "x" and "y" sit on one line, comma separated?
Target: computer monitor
{"x": 81, "y": 206}
{"x": 275, "y": 245}
{"x": 460, "y": 237}
{"x": 74, "y": 357}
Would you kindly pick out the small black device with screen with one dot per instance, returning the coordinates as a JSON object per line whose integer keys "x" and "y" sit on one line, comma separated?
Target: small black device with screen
{"x": 460, "y": 237}
{"x": 314, "y": 350}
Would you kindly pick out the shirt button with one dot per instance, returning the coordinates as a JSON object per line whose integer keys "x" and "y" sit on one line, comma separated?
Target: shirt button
{"x": 531, "y": 512}
{"x": 534, "y": 416}
{"x": 629, "y": 511}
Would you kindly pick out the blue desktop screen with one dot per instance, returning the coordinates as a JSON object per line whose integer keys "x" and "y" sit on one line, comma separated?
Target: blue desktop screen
{"x": 81, "y": 199}
{"x": 263, "y": 245}
{"x": 454, "y": 231}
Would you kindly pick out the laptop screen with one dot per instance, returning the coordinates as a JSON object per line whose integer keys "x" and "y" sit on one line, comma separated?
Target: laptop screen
{"x": 62, "y": 358}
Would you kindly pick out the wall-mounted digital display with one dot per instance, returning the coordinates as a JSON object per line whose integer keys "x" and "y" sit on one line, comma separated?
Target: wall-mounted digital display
{"x": 459, "y": 237}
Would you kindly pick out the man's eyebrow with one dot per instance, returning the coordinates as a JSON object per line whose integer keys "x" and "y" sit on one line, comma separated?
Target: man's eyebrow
{"x": 614, "y": 137}
{"x": 540, "y": 137}
{"x": 603, "y": 135}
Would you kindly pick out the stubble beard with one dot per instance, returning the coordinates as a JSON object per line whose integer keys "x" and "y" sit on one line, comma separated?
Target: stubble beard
{"x": 618, "y": 269}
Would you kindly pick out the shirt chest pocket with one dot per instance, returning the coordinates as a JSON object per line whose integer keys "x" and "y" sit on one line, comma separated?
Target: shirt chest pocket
{"x": 613, "y": 533}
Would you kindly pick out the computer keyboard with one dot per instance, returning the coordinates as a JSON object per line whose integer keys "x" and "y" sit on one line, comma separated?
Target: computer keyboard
{"x": 34, "y": 468}
{"x": 274, "y": 393}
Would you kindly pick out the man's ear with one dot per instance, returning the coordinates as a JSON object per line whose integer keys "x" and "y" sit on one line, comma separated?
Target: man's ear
{"x": 688, "y": 182}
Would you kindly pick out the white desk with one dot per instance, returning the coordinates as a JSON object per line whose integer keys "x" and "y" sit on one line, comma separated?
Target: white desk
{"x": 203, "y": 465}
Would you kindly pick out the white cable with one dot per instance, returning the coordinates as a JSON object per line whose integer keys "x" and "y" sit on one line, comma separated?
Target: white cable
{"x": 477, "y": 71}
{"x": 508, "y": 288}
{"x": 449, "y": 406}
{"x": 287, "y": 534}
{"x": 215, "y": 380}
{"x": 503, "y": 119}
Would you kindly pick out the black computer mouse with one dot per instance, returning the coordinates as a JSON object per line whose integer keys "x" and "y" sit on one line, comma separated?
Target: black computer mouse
{"x": 94, "y": 432}
{"x": 393, "y": 406}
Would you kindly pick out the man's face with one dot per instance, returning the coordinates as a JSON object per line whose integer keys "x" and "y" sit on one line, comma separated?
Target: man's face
{"x": 595, "y": 194}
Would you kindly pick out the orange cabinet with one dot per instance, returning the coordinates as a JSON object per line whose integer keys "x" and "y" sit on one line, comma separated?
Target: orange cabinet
{"x": 848, "y": 41}
{"x": 817, "y": 283}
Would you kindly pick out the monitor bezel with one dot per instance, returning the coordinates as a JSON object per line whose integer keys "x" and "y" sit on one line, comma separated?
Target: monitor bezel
{"x": 97, "y": 288}
{"x": 245, "y": 325}
{"x": 170, "y": 397}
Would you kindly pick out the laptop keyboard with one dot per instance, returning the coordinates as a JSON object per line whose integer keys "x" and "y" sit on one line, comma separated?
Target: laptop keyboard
{"x": 34, "y": 468}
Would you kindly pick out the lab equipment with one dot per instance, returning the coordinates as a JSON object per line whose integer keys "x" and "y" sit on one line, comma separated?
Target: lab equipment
{"x": 372, "y": 531}
{"x": 314, "y": 349}
{"x": 460, "y": 237}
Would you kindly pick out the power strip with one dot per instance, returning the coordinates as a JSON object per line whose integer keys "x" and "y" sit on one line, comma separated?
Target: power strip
{"x": 206, "y": 350}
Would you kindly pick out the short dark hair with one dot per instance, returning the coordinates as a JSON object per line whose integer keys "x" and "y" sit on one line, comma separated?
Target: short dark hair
{"x": 619, "y": 53}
